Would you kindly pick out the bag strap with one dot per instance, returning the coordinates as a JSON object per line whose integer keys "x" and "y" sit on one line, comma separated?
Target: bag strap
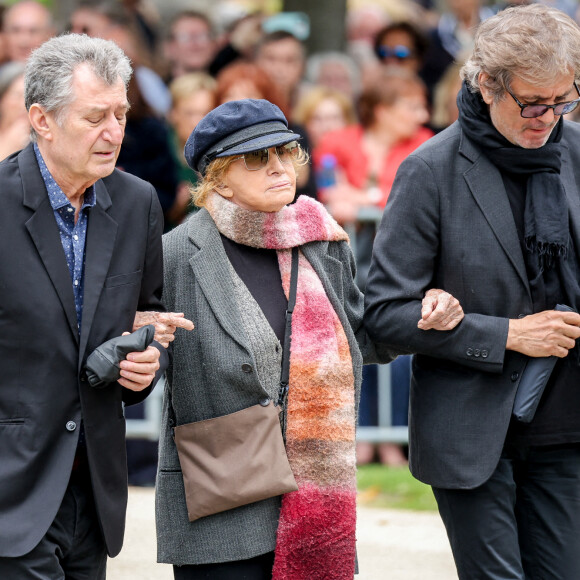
{"x": 285, "y": 376}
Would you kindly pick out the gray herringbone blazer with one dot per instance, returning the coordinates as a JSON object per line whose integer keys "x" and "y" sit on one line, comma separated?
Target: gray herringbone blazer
{"x": 214, "y": 373}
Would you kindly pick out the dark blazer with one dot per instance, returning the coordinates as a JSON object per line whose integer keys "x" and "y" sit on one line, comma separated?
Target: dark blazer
{"x": 43, "y": 392}
{"x": 448, "y": 224}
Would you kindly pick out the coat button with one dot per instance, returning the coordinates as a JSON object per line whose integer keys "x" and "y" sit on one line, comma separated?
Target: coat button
{"x": 476, "y": 352}
{"x": 469, "y": 352}
{"x": 71, "y": 425}
{"x": 484, "y": 354}
{"x": 247, "y": 368}
{"x": 515, "y": 376}
{"x": 265, "y": 402}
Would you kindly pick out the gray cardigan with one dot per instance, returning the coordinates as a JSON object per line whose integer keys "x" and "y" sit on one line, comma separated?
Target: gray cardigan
{"x": 214, "y": 373}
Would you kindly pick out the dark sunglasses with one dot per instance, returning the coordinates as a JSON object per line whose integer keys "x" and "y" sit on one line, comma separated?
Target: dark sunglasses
{"x": 399, "y": 52}
{"x": 255, "y": 160}
{"x": 533, "y": 111}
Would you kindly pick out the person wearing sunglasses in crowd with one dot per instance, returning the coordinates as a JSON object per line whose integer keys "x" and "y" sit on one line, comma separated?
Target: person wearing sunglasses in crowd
{"x": 489, "y": 210}
{"x": 228, "y": 269}
{"x": 406, "y": 46}
{"x": 401, "y": 44}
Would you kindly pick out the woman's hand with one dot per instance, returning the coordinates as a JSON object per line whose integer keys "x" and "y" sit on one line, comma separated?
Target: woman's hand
{"x": 440, "y": 311}
{"x": 165, "y": 324}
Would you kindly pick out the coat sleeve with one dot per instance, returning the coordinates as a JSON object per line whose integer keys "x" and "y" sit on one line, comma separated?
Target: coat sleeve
{"x": 408, "y": 259}
{"x": 353, "y": 304}
{"x": 151, "y": 288}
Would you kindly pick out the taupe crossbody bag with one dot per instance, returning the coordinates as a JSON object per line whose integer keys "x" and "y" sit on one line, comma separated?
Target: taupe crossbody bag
{"x": 240, "y": 458}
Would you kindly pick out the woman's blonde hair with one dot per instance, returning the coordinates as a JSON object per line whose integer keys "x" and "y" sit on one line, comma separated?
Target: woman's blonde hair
{"x": 536, "y": 43}
{"x": 307, "y": 103}
{"x": 216, "y": 171}
{"x": 184, "y": 86}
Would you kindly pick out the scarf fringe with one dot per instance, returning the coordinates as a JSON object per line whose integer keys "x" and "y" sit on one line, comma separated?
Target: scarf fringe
{"x": 304, "y": 543}
{"x": 548, "y": 252}
{"x": 551, "y": 249}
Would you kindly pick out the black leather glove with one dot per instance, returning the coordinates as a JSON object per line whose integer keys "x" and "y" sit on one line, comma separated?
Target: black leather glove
{"x": 102, "y": 366}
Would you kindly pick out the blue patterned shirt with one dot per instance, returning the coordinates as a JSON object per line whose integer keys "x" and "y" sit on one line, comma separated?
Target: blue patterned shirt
{"x": 72, "y": 236}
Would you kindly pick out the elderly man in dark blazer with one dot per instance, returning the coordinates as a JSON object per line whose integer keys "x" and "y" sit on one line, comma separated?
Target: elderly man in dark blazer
{"x": 489, "y": 210}
{"x": 82, "y": 252}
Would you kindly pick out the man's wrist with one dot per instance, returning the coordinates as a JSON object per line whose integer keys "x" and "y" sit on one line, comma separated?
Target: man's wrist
{"x": 512, "y": 341}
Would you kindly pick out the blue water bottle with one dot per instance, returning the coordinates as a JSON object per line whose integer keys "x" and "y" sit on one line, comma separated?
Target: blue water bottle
{"x": 326, "y": 174}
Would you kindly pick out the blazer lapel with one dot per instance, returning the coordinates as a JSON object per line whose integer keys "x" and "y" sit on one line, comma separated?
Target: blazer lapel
{"x": 100, "y": 243}
{"x": 486, "y": 185}
{"x": 44, "y": 232}
{"x": 571, "y": 189}
{"x": 212, "y": 272}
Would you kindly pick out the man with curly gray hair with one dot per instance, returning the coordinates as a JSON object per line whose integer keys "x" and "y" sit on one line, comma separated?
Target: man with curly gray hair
{"x": 82, "y": 253}
{"x": 489, "y": 210}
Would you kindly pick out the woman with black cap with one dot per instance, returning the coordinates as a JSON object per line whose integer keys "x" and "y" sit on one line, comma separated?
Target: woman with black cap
{"x": 229, "y": 269}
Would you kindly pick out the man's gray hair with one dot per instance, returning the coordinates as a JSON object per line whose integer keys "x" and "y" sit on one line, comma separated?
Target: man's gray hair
{"x": 49, "y": 70}
{"x": 535, "y": 43}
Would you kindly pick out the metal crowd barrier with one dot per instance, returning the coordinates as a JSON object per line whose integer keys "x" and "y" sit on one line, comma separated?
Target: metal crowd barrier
{"x": 385, "y": 431}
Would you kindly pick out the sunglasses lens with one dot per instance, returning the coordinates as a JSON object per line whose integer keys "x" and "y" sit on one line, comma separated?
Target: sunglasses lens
{"x": 567, "y": 108}
{"x": 287, "y": 152}
{"x": 533, "y": 111}
{"x": 401, "y": 52}
{"x": 256, "y": 159}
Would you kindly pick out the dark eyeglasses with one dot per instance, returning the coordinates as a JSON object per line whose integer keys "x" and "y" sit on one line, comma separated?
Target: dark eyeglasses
{"x": 256, "y": 160}
{"x": 399, "y": 52}
{"x": 533, "y": 111}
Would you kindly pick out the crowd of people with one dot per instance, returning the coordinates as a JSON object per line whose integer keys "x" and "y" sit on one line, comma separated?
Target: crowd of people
{"x": 187, "y": 63}
{"x": 242, "y": 56}
{"x": 233, "y": 122}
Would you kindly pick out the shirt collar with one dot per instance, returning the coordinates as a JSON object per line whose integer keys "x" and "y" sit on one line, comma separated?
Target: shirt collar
{"x": 55, "y": 194}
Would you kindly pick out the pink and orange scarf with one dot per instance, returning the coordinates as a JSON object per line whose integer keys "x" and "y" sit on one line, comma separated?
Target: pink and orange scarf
{"x": 316, "y": 530}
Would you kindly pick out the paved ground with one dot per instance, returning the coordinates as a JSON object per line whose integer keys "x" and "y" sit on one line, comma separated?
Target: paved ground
{"x": 392, "y": 545}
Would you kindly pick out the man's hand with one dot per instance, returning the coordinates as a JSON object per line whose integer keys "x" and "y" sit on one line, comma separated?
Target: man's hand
{"x": 165, "y": 324}
{"x": 139, "y": 368}
{"x": 440, "y": 311}
{"x": 547, "y": 333}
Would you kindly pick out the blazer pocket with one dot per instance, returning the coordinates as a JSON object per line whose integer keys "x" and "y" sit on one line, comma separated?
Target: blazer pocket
{"x": 123, "y": 279}
{"x": 11, "y": 422}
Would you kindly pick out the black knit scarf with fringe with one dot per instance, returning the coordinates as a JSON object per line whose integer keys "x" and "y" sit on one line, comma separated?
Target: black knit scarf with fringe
{"x": 546, "y": 211}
